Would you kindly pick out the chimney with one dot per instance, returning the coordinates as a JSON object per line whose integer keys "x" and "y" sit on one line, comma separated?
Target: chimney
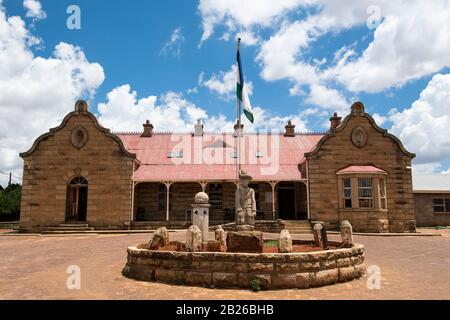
{"x": 148, "y": 130}
{"x": 238, "y": 129}
{"x": 198, "y": 129}
{"x": 81, "y": 107}
{"x": 290, "y": 130}
{"x": 335, "y": 121}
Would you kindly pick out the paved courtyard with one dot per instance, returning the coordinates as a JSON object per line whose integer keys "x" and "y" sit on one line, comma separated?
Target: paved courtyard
{"x": 34, "y": 267}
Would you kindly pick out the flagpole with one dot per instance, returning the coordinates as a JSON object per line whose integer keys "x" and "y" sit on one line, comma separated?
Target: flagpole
{"x": 239, "y": 119}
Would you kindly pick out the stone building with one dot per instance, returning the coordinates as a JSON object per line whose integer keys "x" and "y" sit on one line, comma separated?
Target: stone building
{"x": 80, "y": 172}
{"x": 432, "y": 198}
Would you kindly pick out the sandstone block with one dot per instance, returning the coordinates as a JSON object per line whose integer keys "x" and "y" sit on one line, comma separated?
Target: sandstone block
{"x": 260, "y": 267}
{"x": 225, "y": 280}
{"x": 303, "y": 280}
{"x": 204, "y": 279}
{"x": 285, "y": 281}
{"x": 323, "y": 278}
{"x": 346, "y": 274}
{"x": 245, "y": 241}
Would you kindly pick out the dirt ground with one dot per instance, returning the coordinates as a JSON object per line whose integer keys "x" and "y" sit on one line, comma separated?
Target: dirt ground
{"x": 34, "y": 267}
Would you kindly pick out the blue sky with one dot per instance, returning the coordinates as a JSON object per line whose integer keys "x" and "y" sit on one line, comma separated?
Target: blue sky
{"x": 293, "y": 55}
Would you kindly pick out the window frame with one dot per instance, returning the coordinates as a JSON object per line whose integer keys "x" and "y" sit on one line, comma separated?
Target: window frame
{"x": 445, "y": 205}
{"x": 344, "y": 197}
{"x": 378, "y": 199}
{"x": 369, "y": 199}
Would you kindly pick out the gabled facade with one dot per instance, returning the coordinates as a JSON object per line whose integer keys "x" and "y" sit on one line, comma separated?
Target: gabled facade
{"x": 83, "y": 173}
{"x": 361, "y": 173}
{"x": 77, "y": 172}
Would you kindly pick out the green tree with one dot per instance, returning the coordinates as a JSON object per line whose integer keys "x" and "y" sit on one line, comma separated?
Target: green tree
{"x": 10, "y": 201}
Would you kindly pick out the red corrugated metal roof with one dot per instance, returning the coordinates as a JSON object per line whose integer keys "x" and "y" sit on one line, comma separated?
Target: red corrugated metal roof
{"x": 210, "y": 158}
{"x": 361, "y": 169}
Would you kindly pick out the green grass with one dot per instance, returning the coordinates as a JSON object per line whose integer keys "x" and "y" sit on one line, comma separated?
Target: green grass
{"x": 271, "y": 243}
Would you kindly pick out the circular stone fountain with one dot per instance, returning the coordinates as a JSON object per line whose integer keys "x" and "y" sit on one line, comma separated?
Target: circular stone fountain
{"x": 244, "y": 256}
{"x": 231, "y": 270}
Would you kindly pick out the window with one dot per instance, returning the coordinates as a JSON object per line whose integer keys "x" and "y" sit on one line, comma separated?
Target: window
{"x": 215, "y": 196}
{"x": 383, "y": 201}
{"x": 175, "y": 154}
{"x": 347, "y": 193}
{"x": 441, "y": 205}
{"x": 365, "y": 192}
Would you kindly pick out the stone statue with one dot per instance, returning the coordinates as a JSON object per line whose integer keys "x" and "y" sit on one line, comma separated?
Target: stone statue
{"x": 346, "y": 232}
{"x": 245, "y": 201}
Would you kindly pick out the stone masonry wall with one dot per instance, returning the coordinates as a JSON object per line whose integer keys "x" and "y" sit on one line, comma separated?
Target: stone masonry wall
{"x": 424, "y": 210}
{"x": 53, "y": 162}
{"x": 382, "y": 151}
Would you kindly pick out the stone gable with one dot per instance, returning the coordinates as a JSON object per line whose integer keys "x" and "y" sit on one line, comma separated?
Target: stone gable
{"x": 359, "y": 141}
{"x": 79, "y": 147}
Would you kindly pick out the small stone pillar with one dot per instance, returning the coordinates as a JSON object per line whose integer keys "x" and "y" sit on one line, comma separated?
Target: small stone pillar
{"x": 285, "y": 242}
{"x": 200, "y": 214}
{"x": 346, "y": 232}
{"x": 221, "y": 236}
{"x": 317, "y": 233}
{"x": 194, "y": 241}
{"x": 160, "y": 239}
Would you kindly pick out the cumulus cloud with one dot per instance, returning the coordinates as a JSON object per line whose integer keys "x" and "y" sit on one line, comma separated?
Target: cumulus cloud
{"x": 410, "y": 41}
{"x": 241, "y": 16}
{"x": 224, "y": 83}
{"x": 34, "y": 9}
{"x": 36, "y": 92}
{"x": 123, "y": 111}
{"x": 173, "y": 45}
{"x": 424, "y": 126}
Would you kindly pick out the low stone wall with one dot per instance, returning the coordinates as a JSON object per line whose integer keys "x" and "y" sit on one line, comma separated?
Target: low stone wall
{"x": 233, "y": 270}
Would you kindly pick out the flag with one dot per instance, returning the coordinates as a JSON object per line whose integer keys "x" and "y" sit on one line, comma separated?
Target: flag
{"x": 241, "y": 90}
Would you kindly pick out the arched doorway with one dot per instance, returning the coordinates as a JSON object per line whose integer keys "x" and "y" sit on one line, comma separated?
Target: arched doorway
{"x": 77, "y": 195}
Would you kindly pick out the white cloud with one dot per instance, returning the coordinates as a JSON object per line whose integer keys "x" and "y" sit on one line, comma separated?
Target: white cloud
{"x": 34, "y": 9}
{"x": 327, "y": 98}
{"x": 242, "y": 16}
{"x": 379, "y": 119}
{"x": 123, "y": 111}
{"x": 173, "y": 45}
{"x": 424, "y": 127}
{"x": 224, "y": 83}
{"x": 36, "y": 92}
{"x": 410, "y": 40}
